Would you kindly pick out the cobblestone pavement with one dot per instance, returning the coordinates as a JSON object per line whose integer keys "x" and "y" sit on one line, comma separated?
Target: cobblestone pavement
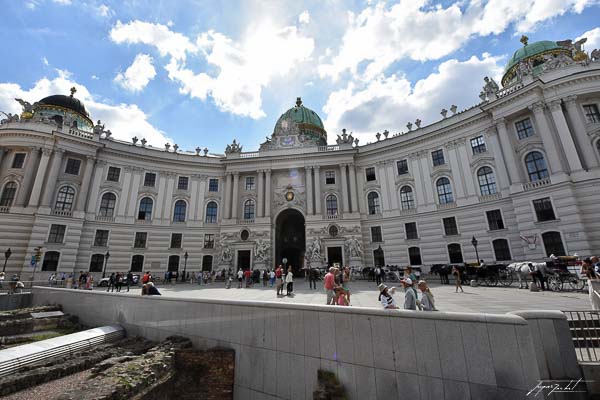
{"x": 364, "y": 294}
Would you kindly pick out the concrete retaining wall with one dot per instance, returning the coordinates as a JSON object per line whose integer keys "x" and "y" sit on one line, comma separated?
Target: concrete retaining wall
{"x": 376, "y": 354}
{"x": 13, "y": 301}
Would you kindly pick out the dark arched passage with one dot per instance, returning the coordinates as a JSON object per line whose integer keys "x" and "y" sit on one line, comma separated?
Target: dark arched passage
{"x": 290, "y": 239}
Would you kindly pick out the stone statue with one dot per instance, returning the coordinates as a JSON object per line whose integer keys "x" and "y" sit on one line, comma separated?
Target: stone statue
{"x": 595, "y": 55}
{"x": 524, "y": 69}
{"x": 444, "y": 112}
{"x": 143, "y": 141}
{"x": 10, "y": 118}
{"x": 234, "y": 147}
{"x": 314, "y": 250}
{"x": 27, "y": 107}
{"x": 353, "y": 247}
{"x": 453, "y": 109}
{"x": 261, "y": 250}
{"x": 98, "y": 128}
{"x": 167, "y": 146}
{"x": 226, "y": 253}
{"x": 409, "y": 126}
{"x": 134, "y": 140}
{"x": 490, "y": 87}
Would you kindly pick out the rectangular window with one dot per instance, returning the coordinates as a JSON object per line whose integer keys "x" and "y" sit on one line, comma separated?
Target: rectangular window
{"x": 494, "y": 218}
{"x": 524, "y": 128}
{"x": 176, "y": 239}
{"x": 478, "y": 145}
{"x": 140, "y": 240}
{"x": 543, "y": 209}
{"x": 101, "y": 238}
{"x": 402, "y": 166}
{"x": 113, "y": 174}
{"x": 150, "y": 179}
{"x": 73, "y": 166}
{"x": 591, "y": 113}
{"x": 330, "y": 177}
{"x": 438, "y": 157}
{"x": 183, "y": 182}
{"x": 18, "y": 160}
{"x": 57, "y": 233}
{"x": 249, "y": 183}
{"x": 450, "y": 227}
{"x": 376, "y": 235}
{"x": 213, "y": 185}
{"x": 370, "y": 174}
{"x": 209, "y": 241}
{"x": 410, "y": 229}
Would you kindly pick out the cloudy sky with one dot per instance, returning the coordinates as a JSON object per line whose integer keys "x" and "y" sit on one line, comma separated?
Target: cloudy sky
{"x": 201, "y": 73}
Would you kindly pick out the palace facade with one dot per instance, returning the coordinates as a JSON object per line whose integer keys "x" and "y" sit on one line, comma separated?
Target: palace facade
{"x": 519, "y": 172}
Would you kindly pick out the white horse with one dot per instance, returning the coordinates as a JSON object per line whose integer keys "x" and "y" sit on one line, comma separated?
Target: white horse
{"x": 522, "y": 270}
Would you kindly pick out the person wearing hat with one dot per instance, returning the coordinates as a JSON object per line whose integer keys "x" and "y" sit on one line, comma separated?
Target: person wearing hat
{"x": 386, "y": 299}
{"x": 410, "y": 300}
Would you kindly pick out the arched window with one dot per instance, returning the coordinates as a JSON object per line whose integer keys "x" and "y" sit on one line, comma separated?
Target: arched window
{"x": 180, "y": 210}
{"x": 414, "y": 256}
{"x": 373, "y": 203}
{"x": 145, "y": 210}
{"x": 211, "y": 212}
{"x": 8, "y": 194}
{"x": 249, "y": 207}
{"x": 107, "y": 205}
{"x": 173, "y": 263}
{"x": 51, "y": 261}
{"x": 331, "y": 205}
{"x": 378, "y": 257}
{"x": 207, "y": 262}
{"x": 536, "y": 166}
{"x": 97, "y": 263}
{"x": 64, "y": 200}
{"x": 444, "y": 191}
{"x": 501, "y": 250}
{"x": 137, "y": 263}
{"x": 407, "y": 198}
{"x": 553, "y": 244}
{"x": 487, "y": 181}
{"x": 455, "y": 253}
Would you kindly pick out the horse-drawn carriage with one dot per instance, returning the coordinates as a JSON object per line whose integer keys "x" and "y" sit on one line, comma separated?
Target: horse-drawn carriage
{"x": 486, "y": 274}
{"x": 560, "y": 272}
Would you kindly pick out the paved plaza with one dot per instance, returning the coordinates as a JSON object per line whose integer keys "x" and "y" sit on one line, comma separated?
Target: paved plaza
{"x": 364, "y": 294}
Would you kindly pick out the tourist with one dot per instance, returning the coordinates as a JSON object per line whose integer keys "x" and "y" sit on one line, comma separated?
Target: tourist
{"x": 378, "y": 275}
{"x": 409, "y": 273}
{"x": 279, "y": 278}
{"x": 386, "y": 299}
{"x": 129, "y": 280}
{"x": 89, "y": 282}
{"x": 342, "y": 300}
{"x": 313, "y": 274}
{"x": 152, "y": 290}
{"x": 1, "y": 279}
{"x": 457, "y": 278}
{"x": 289, "y": 280}
{"x": 145, "y": 289}
{"x": 119, "y": 281}
{"x": 596, "y": 264}
{"x": 587, "y": 270}
{"x": 111, "y": 282}
{"x": 12, "y": 286}
{"x": 70, "y": 282}
{"x": 329, "y": 285}
{"x": 248, "y": 278}
{"x": 271, "y": 278}
{"x": 427, "y": 300}
{"x": 82, "y": 279}
{"x": 265, "y": 277}
{"x": 410, "y": 300}
{"x": 240, "y": 276}
{"x": 346, "y": 283}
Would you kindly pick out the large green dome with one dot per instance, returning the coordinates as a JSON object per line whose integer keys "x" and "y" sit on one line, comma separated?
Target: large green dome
{"x": 531, "y": 51}
{"x": 303, "y": 116}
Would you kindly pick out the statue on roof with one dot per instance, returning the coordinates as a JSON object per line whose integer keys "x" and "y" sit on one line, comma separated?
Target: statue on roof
{"x": 234, "y": 147}
{"x": 490, "y": 88}
{"x": 28, "y": 108}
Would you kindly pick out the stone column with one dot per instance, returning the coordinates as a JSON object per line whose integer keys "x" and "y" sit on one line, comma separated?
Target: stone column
{"x": 52, "y": 177}
{"x": 309, "y": 190}
{"x": 458, "y": 184}
{"x": 501, "y": 171}
{"x": 508, "y": 150}
{"x": 353, "y": 196}
{"x": 36, "y": 191}
{"x": 344, "y": 188}
{"x": 546, "y": 134}
{"x": 235, "y": 197}
{"x": 227, "y": 196}
{"x": 420, "y": 183}
{"x": 584, "y": 143}
{"x": 28, "y": 177}
{"x": 85, "y": 183}
{"x": 564, "y": 134}
{"x": 317, "y": 190}
{"x": 268, "y": 193}
{"x": 261, "y": 194}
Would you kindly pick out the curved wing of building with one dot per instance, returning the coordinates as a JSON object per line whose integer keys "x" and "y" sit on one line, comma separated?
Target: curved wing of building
{"x": 519, "y": 172}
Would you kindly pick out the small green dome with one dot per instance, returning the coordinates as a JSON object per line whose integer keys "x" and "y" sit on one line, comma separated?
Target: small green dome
{"x": 534, "y": 51}
{"x": 303, "y": 116}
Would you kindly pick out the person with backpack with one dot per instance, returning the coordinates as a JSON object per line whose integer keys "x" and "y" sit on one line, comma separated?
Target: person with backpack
{"x": 129, "y": 280}
{"x": 119, "y": 281}
{"x": 377, "y": 275}
{"x": 111, "y": 282}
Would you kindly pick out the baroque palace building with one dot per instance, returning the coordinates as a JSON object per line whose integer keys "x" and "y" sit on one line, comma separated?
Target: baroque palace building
{"x": 520, "y": 172}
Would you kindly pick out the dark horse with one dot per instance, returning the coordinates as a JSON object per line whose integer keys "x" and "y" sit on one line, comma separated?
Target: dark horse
{"x": 443, "y": 270}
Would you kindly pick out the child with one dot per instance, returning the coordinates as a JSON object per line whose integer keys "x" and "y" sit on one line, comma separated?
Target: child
{"x": 342, "y": 300}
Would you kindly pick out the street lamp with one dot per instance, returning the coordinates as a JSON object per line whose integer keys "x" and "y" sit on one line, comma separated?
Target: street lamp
{"x": 7, "y": 254}
{"x": 106, "y": 256}
{"x": 474, "y": 243}
{"x": 185, "y": 257}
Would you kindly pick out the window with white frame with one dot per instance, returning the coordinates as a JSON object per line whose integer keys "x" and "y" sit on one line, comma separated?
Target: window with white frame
{"x": 113, "y": 174}
{"x": 536, "y": 166}
{"x": 213, "y": 185}
{"x": 370, "y": 174}
{"x": 450, "y": 226}
{"x": 478, "y": 145}
{"x": 64, "y": 199}
{"x": 8, "y": 194}
{"x": 330, "y": 177}
{"x": 376, "y": 235}
{"x": 407, "y": 198}
{"x": 487, "y": 181}
{"x": 410, "y": 231}
{"x": 437, "y": 157}
{"x": 591, "y": 113}
{"x": 544, "y": 210}
{"x": 150, "y": 179}
{"x": 57, "y": 233}
{"x": 524, "y": 128}
{"x": 373, "y": 203}
{"x": 211, "y": 213}
{"x": 402, "y": 167}
{"x": 444, "y": 191}
{"x": 249, "y": 183}
{"x": 331, "y": 205}
{"x": 107, "y": 205}
{"x": 101, "y": 238}
{"x": 179, "y": 211}
{"x": 73, "y": 166}
{"x": 183, "y": 183}
{"x": 145, "y": 210}
{"x": 494, "y": 218}
{"x": 18, "y": 160}
{"x": 249, "y": 208}
{"x": 140, "y": 240}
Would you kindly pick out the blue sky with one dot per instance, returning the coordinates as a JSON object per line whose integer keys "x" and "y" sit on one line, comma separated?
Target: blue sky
{"x": 201, "y": 73}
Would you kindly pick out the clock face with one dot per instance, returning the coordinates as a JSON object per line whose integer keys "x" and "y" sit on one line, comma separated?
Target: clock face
{"x": 289, "y": 196}
{"x": 288, "y": 140}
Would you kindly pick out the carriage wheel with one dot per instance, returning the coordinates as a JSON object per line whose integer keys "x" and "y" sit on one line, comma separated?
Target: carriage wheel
{"x": 555, "y": 284}
{"x": 491, "y": 281}
{"x": 505, "y": 278}
{"x": 576, "y": 284}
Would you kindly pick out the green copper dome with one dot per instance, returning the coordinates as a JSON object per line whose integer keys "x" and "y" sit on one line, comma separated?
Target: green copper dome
{"x": 303, "y": 116}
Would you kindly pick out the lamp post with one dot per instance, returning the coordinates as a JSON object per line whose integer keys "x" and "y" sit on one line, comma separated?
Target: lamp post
{"x": 185, "y": 257}
{"x": 106, "y": 256}
{"x": 7, "y": 254}
{"x": 474, "y": 243}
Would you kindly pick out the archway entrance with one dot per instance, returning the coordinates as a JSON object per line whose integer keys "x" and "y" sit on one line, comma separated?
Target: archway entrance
{"x": 290, "y": 239}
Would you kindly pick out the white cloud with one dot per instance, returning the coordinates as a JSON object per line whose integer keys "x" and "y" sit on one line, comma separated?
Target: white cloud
{"x": 95, "y": 77}
{"x": 124, "y": 120}
{"x": 138, "y": 75}
{"x": 62, "y": 2}
{"x": 380, "y": 34}
{"x": 237, "y": 70}
{"x": 391, "y": 102}
{"x": 45, "y": 61}
{"x": 104, "y": 11}
{"x": 304, "y": 17}
{"x": 593, "y": 39}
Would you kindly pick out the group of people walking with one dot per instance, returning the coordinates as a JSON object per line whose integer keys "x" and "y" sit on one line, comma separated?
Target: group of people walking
{"x": 336, "y": 284}
{"x": 117, "y": 280}
{"x": 412, "y": 300}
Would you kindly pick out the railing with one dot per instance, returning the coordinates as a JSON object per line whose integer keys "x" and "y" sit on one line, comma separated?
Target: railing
{"x": 331, "y": 216}
{"x": 5, "y": 209}
{"x": 249, "y": 221}
{"x": 446, "y": 206}
{"x": 509, "y": 90}
{"x": 328, "y": 148}
{"x": 62, "y": 213}
{"x": 252, "y": 154}
{"x": 101, "y": 218}
{"x": 489, "y": 197}
{"x": 585, "y": 330}
{"x": 536, "y": 184}
{"x": 81, "y": 134}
